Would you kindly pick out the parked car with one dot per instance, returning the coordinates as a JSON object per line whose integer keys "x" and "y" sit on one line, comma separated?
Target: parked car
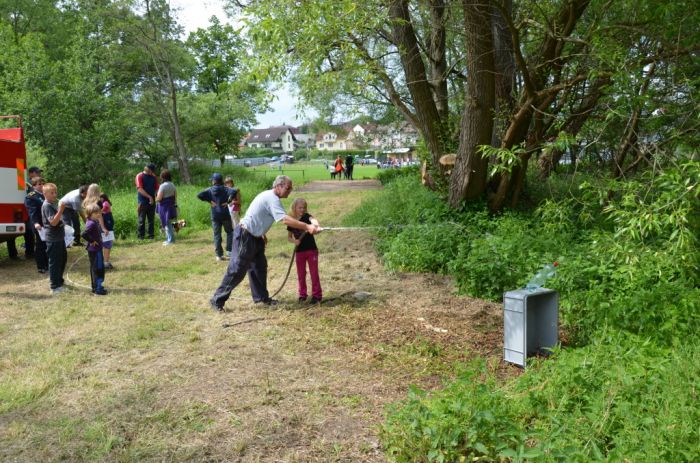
{"x": 370, "y": 161}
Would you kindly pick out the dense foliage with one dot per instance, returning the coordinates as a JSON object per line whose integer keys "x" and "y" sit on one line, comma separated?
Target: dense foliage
{"x": 102, "y": 84}
{"x": 537, "y": 81}
{"x": 629, "y": 301}
{"x": 621, "y": 398}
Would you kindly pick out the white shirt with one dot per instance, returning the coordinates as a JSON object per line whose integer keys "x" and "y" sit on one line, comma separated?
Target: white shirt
{"x": 265, "y": 210}
{"x": 73, "y": 200}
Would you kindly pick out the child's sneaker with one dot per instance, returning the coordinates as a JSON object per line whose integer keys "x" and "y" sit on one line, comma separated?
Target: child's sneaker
{"x": 315, "y": 300}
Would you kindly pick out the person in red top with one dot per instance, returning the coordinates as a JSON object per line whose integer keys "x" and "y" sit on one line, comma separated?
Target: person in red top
{"x": 339, "y": 167}
{"x": 146, "y": 186}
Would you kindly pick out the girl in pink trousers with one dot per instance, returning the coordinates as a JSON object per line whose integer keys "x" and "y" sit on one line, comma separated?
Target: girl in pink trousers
{"x": 306, "y": 252}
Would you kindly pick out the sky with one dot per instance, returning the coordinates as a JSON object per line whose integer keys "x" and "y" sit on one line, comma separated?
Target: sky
{"x": 193, "y": 14}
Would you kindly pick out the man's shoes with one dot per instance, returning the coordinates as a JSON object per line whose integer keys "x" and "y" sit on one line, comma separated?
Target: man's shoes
{"x": 100, "y": 292}
{"x": 219, "y": 258}
{"x": 315, "y": 300}
{"x": 216, "y": 308}
{"x": 42, "y": 270}
{"x": 268, "y": 302}
{"x": 228, "y": 253}
{"x": 302, "y": 299}
{"x": 109, "y": 266}
{"x": 58, "y": 290}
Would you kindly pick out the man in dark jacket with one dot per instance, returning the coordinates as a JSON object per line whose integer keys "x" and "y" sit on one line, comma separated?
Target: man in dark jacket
{"x": 33, "y": 202}
{"x": 218, "y": 197}
{"x": 146, "y": 188}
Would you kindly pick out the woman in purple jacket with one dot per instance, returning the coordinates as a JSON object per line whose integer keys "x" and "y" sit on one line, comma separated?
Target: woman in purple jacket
{"x": 166, "y": 205}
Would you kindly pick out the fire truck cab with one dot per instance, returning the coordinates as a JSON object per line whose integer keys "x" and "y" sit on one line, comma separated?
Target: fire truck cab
{"x": 13, "y": 180}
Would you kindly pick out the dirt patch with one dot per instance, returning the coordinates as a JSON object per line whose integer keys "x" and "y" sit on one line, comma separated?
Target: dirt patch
{"x": 339, "y": 185}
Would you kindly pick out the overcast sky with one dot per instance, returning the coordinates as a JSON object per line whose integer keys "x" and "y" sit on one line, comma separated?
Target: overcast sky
{"x": 194, "y": 14}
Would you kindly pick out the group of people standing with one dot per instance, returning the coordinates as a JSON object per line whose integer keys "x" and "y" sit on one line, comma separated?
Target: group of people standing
{"x": 48, "y": 217}
{"x": 245, "y": 238}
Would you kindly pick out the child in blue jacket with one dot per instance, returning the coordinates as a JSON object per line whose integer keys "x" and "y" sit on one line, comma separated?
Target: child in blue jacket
{"x": 218, "y": 198}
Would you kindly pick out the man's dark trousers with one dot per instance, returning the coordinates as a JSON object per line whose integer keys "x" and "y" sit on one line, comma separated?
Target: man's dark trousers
{"x": 42, "y": 259}
{"x": 248, "y": 257}
{"x": 146, "y": 212}
{"x": 72, "y": 218}
{"x": 216, "y": 225}
{"x": 29, "y": 243}
{"x": 58, "y": 255}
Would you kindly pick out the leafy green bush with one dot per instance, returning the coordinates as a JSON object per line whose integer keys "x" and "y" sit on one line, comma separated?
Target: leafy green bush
{"x": 630, "y": 262}
{"x": 621, "y": 398}
{"x": 403, "y": 202}
{"x": 389, "y": 175}
{"x": 502, "y": 257}
{"x": 423, "y": 248}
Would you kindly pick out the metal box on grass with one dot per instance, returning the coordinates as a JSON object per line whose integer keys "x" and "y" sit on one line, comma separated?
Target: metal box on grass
{"x": 530, "y": 323}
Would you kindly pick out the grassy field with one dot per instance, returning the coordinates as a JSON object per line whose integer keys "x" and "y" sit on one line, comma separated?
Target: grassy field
{"x": 150, "y": 373}
{"x": 302, "y": 172}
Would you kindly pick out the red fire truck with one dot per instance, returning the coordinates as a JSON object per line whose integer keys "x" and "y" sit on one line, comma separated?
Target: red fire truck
{"x": 13, "y": 180}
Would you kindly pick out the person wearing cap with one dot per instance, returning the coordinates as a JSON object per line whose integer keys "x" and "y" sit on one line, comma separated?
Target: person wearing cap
{"x": 33, "y": 202}
{"x": 146, "y": 187}
{"x": 218, "y": 197}
{"x": 32, "y": 172}
{"x": 249, "y": 244}
{"x": 30, "y": 240}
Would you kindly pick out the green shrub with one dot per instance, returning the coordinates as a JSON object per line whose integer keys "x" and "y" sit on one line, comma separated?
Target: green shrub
{"x": 403, "y": 202}
{"x": 423, "y": 248}
{"x": 621, "y": 398}
{"x": 389, "y": 175}
{"x": 502, "y": 257}
{"x": 638, "y": 275}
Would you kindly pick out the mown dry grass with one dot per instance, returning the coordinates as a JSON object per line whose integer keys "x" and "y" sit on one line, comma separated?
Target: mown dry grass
{"x": 149, "y": 373}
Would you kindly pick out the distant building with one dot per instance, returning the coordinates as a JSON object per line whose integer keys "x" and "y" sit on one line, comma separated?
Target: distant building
{"x": 332, "y": 141}
{"x": 279, "y": 138}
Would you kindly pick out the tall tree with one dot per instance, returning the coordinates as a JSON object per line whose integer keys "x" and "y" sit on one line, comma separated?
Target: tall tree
{"x": 169, "y": 66}
{"x": 532, "y": 69}
{"x": 227, "y": 98}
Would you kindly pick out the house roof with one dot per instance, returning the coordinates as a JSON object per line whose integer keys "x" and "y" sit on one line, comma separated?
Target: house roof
{"x": 269, "y": 135}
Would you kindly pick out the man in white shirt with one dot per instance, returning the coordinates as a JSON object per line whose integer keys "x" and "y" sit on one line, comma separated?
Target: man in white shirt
{"x": 249, "y": 244}
{"x": 73, "y": 211}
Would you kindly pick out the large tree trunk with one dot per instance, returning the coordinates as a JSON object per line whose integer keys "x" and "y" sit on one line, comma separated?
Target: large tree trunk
{"x": 179, "y": 142}
{"x": 404, "y": 36}
{"x": 468, "y": 180}
{"x": 436, "y": 55}
{"x": 504, "y": 62}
